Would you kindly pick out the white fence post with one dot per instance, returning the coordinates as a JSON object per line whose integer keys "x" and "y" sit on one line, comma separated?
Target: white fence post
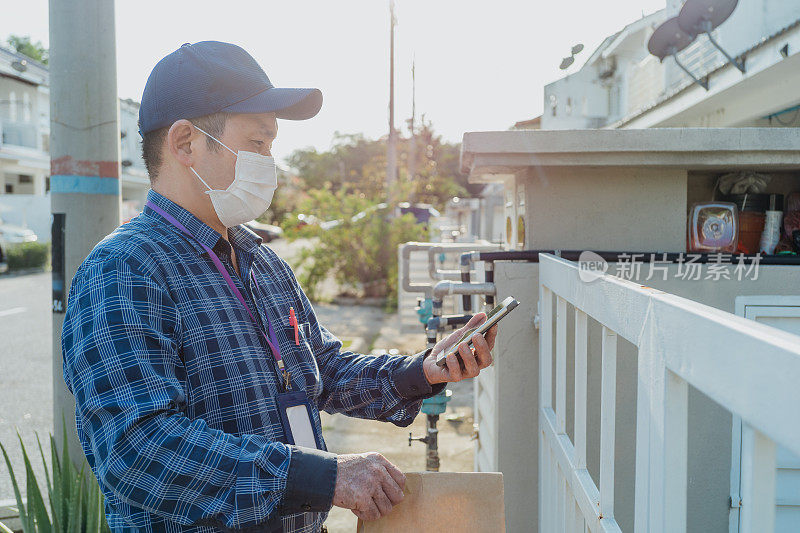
{"x": 581, "y": 383}
{"x": 546, "y": 455}
{"x": 675, "y": 453}
{"x": 608, "y": 403}
{"x": 758, "y": 481}
{"x": 561, "y": 365}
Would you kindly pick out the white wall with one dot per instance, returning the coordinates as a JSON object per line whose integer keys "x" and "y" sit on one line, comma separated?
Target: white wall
{"x": 579, "y": 98}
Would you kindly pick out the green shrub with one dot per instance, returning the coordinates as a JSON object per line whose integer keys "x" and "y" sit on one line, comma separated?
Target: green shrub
{"x": 76, "y": 502}
{"x": 361, "y": 254}
{"x": 27, "y": 255}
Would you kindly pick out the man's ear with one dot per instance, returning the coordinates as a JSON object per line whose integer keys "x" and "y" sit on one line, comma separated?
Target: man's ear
{"x": 180, "y": 137}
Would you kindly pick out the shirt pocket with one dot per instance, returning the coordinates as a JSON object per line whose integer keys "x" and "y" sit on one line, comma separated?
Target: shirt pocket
{"x": 300, "y": 359}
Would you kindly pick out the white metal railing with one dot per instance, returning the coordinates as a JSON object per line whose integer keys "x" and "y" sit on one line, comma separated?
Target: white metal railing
{"x": 748, "y": 368}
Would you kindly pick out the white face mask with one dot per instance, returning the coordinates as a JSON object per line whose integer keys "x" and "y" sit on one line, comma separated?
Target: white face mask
{"x": 254, "y": 182}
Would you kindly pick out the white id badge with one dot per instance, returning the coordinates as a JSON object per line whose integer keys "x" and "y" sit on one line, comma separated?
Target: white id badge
{"x": 295, "y": 415}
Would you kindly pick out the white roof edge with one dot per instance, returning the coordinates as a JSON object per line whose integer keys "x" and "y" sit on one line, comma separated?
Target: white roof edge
{"x": 632, "y": 140}
{"x": 631, "y": 28}
{"x": 504, "y": 151}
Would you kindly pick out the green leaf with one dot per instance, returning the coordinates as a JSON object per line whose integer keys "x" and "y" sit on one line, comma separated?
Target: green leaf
{"x": 67, "y": 473}
{"x": 23, "y": 515}
{"x": 93, "y": 511}
{"x": 57, "y": 503}
{"x": 36, "y": 505}
{"x": 49, "y": 486}
{"x": 46, "y": 474}
{"x": 76, "y": 510}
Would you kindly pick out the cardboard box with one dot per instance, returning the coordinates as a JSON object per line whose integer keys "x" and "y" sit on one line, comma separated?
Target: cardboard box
{"x": 437, "y": 502}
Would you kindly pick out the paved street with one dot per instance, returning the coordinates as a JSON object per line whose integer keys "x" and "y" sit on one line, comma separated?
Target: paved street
{"x": 25, "y": 370}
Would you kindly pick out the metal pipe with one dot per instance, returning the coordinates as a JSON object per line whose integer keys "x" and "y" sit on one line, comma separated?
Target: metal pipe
{"x": 439, "y": 323}
{"x": 410, "y": 247}
{"x": 444, "y": 288}
{"x": 432, "y": 444}
{"x": 406, "y": 279}
{"x": 452, "y": 248}
{"x": 489, "y": 276}
{"x": 532, "y": 256}
{"x": 464, "y": 266}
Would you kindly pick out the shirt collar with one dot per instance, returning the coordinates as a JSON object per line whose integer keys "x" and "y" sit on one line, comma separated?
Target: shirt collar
{"x": 244, "y": 238}
{"x": 241, "y": 237}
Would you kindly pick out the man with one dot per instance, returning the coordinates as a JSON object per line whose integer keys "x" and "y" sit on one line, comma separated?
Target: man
{"x": 197, "y": 362}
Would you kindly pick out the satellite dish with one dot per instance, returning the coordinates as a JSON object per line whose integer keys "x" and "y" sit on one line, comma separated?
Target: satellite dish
{"x": 577, "y": 49}
{"x": 702, "y": 16}
{"x": 20, "y": 65}
{"x": 566, "y": 62}
{"x": 669, "y": 39}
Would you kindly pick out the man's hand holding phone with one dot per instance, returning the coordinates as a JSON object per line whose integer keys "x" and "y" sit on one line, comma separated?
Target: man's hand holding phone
{"x": 475, "y": 357}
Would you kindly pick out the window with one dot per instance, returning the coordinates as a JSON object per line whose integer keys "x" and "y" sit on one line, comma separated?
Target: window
{"x": 9, "y": 188}
{"x": 24, "y": 178}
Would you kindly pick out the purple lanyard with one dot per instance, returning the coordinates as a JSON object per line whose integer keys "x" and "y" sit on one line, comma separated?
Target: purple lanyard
{"x": 272, "y": 340}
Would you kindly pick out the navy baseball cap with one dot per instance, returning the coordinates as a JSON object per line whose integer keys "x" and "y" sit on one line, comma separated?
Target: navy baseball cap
{"x": 210, "y": 77}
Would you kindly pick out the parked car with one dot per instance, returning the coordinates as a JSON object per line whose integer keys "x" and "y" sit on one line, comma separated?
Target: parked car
{"x": 267, "y": 232}
{"x": 11, "y": 235}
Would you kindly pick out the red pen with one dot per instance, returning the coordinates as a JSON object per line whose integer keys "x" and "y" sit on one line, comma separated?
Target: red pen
{"x": 293, "y": 323}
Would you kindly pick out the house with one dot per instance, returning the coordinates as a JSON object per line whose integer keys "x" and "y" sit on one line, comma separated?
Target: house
{"x": 623, "y": 86}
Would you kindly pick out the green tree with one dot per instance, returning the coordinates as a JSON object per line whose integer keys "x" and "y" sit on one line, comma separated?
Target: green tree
{"x": 357, "y": 166}
{"x": 24, "y": 45}
{"x": 360, "y": 252}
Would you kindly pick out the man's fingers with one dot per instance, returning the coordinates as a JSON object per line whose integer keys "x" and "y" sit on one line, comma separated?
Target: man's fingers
{"x": 370, "y": 511}
{"x": 382, "y": 502}
{"x": 392, "y": 489}
{"x": 476, "y": 320}
{"x": 454, "y": 368}
{"x": 470, "y": 364}
{"x": 482, "y": 350}
{"x": 395, "y": 473}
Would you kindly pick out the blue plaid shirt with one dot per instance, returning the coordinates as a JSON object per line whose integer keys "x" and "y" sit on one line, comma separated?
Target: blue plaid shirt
{"x": 175, "y": 387}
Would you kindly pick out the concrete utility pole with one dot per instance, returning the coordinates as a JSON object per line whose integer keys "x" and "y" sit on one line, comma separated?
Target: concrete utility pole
{"x": 391, "y": 152}
{"x": 84, "y": 160}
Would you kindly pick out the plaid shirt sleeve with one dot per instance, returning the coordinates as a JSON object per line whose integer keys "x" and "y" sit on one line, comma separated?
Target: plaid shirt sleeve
{"x": 122, "y": 362}
{"x": 389, "y": 388}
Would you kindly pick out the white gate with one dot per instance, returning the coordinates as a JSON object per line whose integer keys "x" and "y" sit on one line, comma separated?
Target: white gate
{"x": 748, "y": 368}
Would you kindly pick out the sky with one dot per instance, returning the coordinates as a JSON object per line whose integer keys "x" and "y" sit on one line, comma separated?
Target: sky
{"x": 480, "y": 65}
